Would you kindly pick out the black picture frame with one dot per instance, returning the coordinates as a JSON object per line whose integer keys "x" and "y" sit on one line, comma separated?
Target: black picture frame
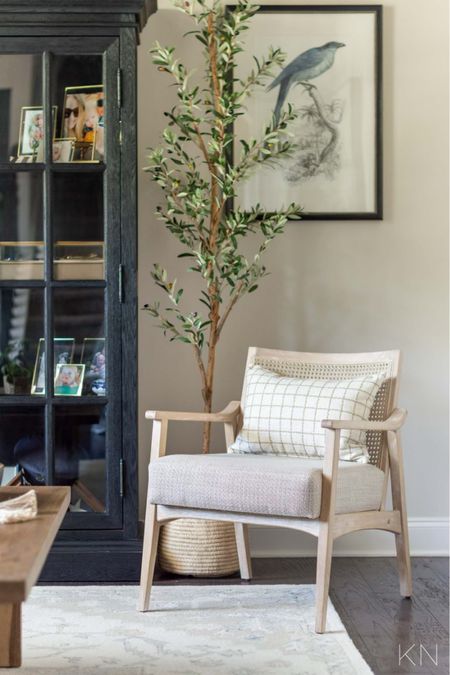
{"x": 376, "y": 210}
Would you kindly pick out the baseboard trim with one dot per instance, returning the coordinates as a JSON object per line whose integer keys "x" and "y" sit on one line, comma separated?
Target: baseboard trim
{"x": 428, "y": 537}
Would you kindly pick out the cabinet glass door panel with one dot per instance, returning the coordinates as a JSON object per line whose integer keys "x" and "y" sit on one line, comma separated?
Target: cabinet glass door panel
{"x": 60, "y": 331}
{"x": 22, "y": 444}
{"x": 21, "y": 112}
{"x": 79, "y": 320}
{"x": 21, "y": 225}
{"x": 78, "y": 226}
{"x": 77, "y": 92}
{"x": 80, "y": 455}
{"x": 21, "y": 328}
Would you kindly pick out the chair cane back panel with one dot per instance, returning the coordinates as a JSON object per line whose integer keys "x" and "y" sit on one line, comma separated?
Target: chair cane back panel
{"x": 340, "y": 367}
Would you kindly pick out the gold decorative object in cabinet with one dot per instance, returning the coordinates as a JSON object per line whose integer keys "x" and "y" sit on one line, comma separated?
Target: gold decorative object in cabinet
{"x": 24, "y": 260}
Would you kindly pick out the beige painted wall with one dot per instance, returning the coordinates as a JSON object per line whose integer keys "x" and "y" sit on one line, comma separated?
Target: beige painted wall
{"x": 335, "y": 286}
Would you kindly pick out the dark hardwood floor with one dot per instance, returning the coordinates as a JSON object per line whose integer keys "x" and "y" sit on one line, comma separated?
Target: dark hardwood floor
{"x": 365, "y": 593}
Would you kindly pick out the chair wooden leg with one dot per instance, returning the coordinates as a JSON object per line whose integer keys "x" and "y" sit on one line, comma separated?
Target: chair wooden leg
{"x": 404, "y": 562}
{"x": 149, "y": 552}
{"x": 399, "y": 503}
{"x": 324, "y": 553}
{"x": 243, "y": 549}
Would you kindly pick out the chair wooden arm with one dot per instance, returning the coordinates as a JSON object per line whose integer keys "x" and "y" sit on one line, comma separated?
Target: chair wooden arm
{"x": 393, "y": 423}
{"x": 228, "y": 414}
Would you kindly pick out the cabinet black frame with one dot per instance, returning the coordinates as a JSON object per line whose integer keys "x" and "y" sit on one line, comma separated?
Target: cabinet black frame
{"x": 94, "y": 553}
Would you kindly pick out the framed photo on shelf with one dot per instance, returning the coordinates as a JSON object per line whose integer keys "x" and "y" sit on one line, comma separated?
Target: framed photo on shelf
{"x": 83, "y": 118}
{"x": 32, "y": 130}
{"x": 69, "y": 379}
{"x": 62, "y": 149}
{"x": 94, "y": 358}
{"x": 331, "y": 77}
{"x": 63, "y": 349}
{"x": 83, "y": 151}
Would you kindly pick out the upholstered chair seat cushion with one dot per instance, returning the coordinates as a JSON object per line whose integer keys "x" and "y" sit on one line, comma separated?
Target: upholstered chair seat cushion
{"x": 260, "y": 484}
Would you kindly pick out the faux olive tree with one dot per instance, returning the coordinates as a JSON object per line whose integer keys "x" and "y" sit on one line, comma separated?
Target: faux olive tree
{"x": 199, "y": 181}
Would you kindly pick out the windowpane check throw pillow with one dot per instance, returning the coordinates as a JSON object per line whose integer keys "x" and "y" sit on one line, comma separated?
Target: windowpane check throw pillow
{"x": 283, "y": 415}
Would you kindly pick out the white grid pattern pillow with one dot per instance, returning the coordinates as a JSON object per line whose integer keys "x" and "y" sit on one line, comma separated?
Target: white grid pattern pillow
{"x": 283, "y": 415}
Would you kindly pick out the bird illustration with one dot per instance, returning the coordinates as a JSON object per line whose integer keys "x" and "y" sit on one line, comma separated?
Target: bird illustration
{"x": 306, "y": 66}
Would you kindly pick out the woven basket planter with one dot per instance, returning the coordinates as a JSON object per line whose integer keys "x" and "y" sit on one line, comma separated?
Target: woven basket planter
{"x": 198, "y": 548}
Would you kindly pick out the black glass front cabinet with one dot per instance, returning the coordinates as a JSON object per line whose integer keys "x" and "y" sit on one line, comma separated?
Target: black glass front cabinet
{"x": 68, "y": 279}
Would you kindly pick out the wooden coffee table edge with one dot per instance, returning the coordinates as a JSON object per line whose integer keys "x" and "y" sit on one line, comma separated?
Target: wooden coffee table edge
{"x": 47, "y": 544}
{"x": 11, "y": 612}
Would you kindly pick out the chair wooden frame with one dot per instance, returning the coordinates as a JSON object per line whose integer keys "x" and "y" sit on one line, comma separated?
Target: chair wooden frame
{"x": 329, "y": 526}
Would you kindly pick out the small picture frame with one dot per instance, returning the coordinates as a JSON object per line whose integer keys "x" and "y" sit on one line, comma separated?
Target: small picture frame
{"x": 83, "y": 118}
{"x": 62, "y": 149}
{"x": 63, "y": 349}
{"x": 94, "y": 358}
{"x": 32, "y": 130}
{"x": 83, "y": 151}
{"x": 69, "y": 379}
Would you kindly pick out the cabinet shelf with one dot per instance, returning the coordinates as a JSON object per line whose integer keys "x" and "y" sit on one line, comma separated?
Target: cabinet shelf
{"x": 69, "y": 167}
{"x": 11, "y": 167}
{"x": 27, "y": 400}
{"x": 70, "y": 283}
{"x": 78, "y": 167}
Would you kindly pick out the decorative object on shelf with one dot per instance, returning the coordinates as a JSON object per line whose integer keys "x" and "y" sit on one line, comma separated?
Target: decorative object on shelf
{"x": 16, "y": 374}
{"x": 83, "y": 118}
{"x": 62, "y": 149}
{"x": 84, "y": 151}
{"x": 79, "y": 260}
{"x": 71, "y": 150}
{"x": 196, "y": 207}
{"x": 94, "y": 358}
{"x": 23, "y": 159}
{"x": 333, "y": 79}
{"x": 63, "y": 349}
{"x": 32, "y": 131}
{"x": 19, "y": 509}
{"x": 23, "y": 260}
{"x": 69, "y": 379}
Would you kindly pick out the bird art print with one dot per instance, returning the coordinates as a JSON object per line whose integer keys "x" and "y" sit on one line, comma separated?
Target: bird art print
{"x": 318, "y": 129}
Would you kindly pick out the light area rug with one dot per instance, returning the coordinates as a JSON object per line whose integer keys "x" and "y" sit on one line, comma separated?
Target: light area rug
{"x": 192, "y": 630}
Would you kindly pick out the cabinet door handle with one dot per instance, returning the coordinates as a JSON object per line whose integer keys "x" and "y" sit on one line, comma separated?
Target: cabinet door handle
{"x": 121, "y": 284}
{"x": 121, "y": 481}
{"x": 119, "y": 88}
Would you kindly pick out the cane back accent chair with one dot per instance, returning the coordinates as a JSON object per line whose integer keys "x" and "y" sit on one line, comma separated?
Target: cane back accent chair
{"x": 332, "y": 479}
